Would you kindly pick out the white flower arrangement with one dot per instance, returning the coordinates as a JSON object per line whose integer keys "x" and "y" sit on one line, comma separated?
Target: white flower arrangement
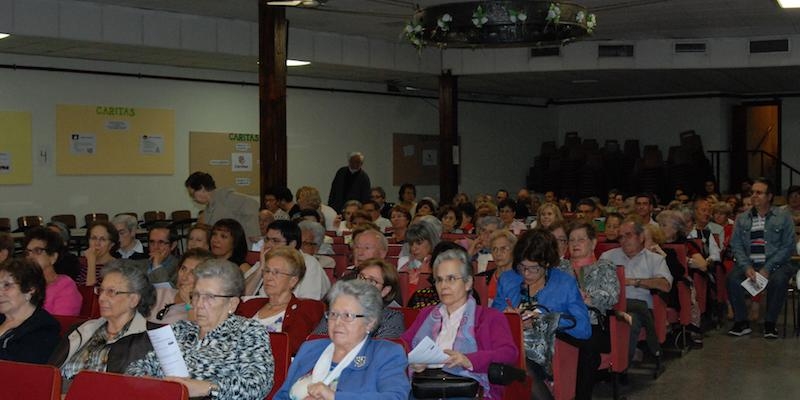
{"x": 591, "y": 23}
{"x": 479, "y": 17}
{"x": 517, "y": 16}
{"x": 580, "y": 17}
{"x": 444, "y": 22}
{"x": 413, "y": 32}
{"x": 554, "y": 13}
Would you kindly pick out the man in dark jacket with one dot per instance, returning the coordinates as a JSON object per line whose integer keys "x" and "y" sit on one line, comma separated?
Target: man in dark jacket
{"x": 350, "y": 183}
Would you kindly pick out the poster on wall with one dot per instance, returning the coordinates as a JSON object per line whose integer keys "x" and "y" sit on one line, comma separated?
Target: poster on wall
{"x": 114, "y": 140}
{"x": 415, "y": 159}
{"x": 16, "y": 151}
{"x": 231, "y": 158}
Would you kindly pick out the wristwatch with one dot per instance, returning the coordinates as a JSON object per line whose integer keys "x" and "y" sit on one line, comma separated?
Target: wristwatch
{"x": 213, "y": 390}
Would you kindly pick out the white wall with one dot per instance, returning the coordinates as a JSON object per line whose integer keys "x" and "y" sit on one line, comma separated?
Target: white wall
{"x": 498, "y": 142}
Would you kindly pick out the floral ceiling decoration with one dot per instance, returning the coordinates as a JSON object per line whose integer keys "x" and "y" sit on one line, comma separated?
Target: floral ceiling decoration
{"x": 511, "y": 23}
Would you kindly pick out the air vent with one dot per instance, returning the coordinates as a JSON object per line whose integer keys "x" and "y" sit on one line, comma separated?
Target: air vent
{"x": 769, "y": 46}
{"x": 695, "y": 47}
{"x": 621, "y": 50}
{"x": 546, "y": 51}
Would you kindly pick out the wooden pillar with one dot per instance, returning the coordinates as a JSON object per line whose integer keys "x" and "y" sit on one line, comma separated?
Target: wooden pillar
{"x": 448, "y": 136}
{"x": 272, "y": 53}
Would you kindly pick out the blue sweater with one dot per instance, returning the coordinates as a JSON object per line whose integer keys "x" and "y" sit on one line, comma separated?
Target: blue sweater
{"x": 381, "y": 376}
{"x": 560, "y": 294}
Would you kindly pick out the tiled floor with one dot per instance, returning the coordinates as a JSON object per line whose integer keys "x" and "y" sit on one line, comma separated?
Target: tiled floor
{"x": 749, "y": 367}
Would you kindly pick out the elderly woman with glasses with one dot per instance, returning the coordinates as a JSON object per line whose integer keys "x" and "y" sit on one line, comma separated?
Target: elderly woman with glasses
{"x": 44, "y": 247}
{"x": 28, "y": 333}
{"x": 129, "y": 246}
{"x": 116, "y": 339}
{"x": 228, "y": 357}
{"x": 472, "y": 336}
{"x": 350, "y": 364}
{"x": 535, "y": 283}
{"x": 283, "y": 269}
{"x": 175, "y": 304}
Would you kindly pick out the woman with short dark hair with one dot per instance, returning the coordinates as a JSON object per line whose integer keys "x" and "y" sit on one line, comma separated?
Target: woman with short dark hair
{"x": 44, "y": 247}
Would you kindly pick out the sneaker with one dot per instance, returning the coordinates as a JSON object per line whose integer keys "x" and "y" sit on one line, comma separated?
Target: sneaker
{"x": 740, "y": 329}
{"x": 770, "y": 332}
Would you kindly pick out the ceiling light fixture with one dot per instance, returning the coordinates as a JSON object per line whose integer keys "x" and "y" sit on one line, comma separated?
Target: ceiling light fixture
{"x": 296, "y": 3}
{"x": 4, "y": 35}
{"x": 296, "y": 63}
{"x": 789, "y": 3}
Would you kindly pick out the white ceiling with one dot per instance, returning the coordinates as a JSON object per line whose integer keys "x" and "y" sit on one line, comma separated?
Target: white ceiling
{"x": 384, "y": 19}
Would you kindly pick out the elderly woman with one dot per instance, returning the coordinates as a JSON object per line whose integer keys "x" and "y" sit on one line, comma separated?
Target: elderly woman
{"x": 312, "y": 235}
{"x": 61, "y": 296}
{"x": 502, "y": 245}
{"x": 129, "y": 247}
{"x": 559, "y": 231}
{"x": 408, "y": 197}
{"x": 384, "y": 277}
{"x": 471, "y": 335}
{"x": 175, "y": 304}
{"x": 421, "y": 238}
{"x": 228, "y": 242}
{"x": 546, "y": 215}
{"x": 350, "y": 364}
{"x": 400, "y": 218}
{"x": 116, "y": 339}
{"x": 103, "y": 240}
{"x": 283, "y": 269}
{"x": 199, "y": 237}
{"x": 599, "y": 287}
{"x": 28, "y": 333}
{"x": 536, "y": 282}
{"x": 228, "y": 356}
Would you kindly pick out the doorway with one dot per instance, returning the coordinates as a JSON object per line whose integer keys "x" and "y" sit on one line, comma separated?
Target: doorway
{"x": 756, "y": 143}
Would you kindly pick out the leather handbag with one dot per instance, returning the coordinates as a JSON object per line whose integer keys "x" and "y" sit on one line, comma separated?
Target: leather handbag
{"x": 433, "y": 383}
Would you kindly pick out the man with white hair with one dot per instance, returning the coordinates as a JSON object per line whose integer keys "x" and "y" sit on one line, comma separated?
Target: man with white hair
{"x": 350, "y": 183}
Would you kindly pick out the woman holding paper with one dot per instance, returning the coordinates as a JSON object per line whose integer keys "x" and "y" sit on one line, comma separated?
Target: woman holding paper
{"x": 111, "y": 342}
{"x": 472, "y": 336}
{"x": 350, "y": 364}
{"x": 228, "y": 357}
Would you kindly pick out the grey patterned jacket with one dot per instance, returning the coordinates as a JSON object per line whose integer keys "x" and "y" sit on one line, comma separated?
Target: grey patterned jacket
{"x": 236, "y": 356}
{"x": 600, "y": 282}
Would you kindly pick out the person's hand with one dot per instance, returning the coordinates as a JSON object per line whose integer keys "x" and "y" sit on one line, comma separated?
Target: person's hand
{"x": 262, "y": 254}
{"x": 457, "y": 359}
{"x": 474, "y": 247}
{"x": 91, "y": 256}
{"x": 750, "y": 273}
{"x": 197, "y": 388}
{"x": 157, "y": 256}
{"x": 337, "y": 221}
{"x": 764, "y": 273}
{"x": 418, "y": 367}
{"x": 319, "y": 391}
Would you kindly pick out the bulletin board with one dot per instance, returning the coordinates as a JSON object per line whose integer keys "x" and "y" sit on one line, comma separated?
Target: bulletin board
{"x": 231, "y": 158}
{"x": 16, "y": 160}
{"x": 114, "y": 140}
{"x": 416, "y": 159}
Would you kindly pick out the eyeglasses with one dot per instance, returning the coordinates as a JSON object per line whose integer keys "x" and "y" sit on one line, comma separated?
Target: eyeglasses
{"x": 163, "y": 312}
{"x": 36, "y": 250}
{"x": 123, "y": 232}
{"x": 346, "y": 316}
{"x": 109, "y": 292}
{"x": 578, "y": 240}
{"x": 370, "y": 280}
{"x": 196, "y": 297}
{"x": 158, "y": 242}
{"x": 275, "y": 272}
{"x": 6, "y": 286}
{"x": 499, "y": 249}
{"x": 534, "y": 269}
{"x": 100, "y": 239}
{"x": 449, "y": 279}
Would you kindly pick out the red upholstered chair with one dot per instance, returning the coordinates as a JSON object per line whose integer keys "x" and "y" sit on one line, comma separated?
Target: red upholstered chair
{"x": 603, "y": 247}
{"x": 342, "y": 262}
{"x": 252, "y": 257}
{"x": 682, "y": 317}
{"x": 90, "y": 308}
{"x": 29, "y": 381}
{"x": 616, "y": 361}
{"x": 409, "y": 315}
{"x": 341, "y": 248}
{"x": 91, "y": 385}
{"x": 279, "y": 342}
{"x": 394, "y": 250}
{"x": 68, "y": 321}
{"x": 481, "y": 287}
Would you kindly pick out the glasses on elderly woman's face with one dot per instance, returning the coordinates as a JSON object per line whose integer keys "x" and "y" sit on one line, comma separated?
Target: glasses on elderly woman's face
{"x": 346, "y": 316}
{"x": 530, "y": 269}
{"x": 372, "y": 281}
{"x": 6, "y": 286}
{"x": 196, "y": 297}
{"x": 109, "y": 292}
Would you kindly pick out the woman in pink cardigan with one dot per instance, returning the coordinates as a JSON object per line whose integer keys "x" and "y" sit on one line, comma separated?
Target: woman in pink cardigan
{"x": 471, "y": 335}
{"x": 61, "y": 295}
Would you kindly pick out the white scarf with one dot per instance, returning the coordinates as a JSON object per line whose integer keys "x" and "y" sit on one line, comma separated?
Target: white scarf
{"x": 322, "y": 369}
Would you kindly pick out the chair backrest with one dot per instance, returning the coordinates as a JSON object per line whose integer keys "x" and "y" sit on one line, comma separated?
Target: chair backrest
{"x": 279, "y": 342}
{"x": 481, "y": 287}
{"x": 340, "y": 268}
{"x": 680, "y": 251}
{"x": 394, "y": 250}
{"x": 89, "y": 218}
{"x": 604, "y": 247}
{"x": 252, "y": 257}
{"x": 67, "y": 219}
{"x": 515, "y": 323}
{"x": 5, "y": 224}
{"x": 92, "y": 385}
{"x": 409, "y": 315}
{"x": 29, "y": 221}
{"x": 181, "y": 216}
{"x": 68, "y": 321}
{"x": 341, "y": 248}
{"x": 29, "y": 381}
{"x": 90, "y": 307}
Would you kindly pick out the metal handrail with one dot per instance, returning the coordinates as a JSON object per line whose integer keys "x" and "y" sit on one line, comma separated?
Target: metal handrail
{"x": 715, "y": 160}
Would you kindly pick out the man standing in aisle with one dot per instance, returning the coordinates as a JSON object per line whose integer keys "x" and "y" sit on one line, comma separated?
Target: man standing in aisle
{"x": 350, "y": 183}
{"x": 762, "y": 243}
{"x": 224, "y": 203}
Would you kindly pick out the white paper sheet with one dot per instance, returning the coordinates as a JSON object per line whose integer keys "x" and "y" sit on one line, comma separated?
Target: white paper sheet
{"x": 756, "y": 287}
{"x": 168, "y": 352}
{"x": 427, "y": 352}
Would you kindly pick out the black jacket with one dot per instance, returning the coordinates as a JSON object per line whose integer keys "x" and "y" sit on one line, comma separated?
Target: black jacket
{"x": 33, "y": 341}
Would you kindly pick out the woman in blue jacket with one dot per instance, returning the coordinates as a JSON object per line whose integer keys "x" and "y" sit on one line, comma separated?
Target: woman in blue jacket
{"x": 350, "y": 364}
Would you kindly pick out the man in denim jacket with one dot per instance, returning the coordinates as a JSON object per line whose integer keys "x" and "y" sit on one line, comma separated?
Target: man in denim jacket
{"x": 763, "y": 243}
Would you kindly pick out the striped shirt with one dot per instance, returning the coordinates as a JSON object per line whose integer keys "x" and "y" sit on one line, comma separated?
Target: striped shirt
{"x": 757, "y": 243}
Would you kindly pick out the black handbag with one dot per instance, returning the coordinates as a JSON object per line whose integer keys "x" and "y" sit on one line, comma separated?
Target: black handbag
{"x": 434, "y": 383}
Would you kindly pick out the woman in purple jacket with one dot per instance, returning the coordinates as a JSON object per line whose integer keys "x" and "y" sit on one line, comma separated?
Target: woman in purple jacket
{"x": 471, "y": 335}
